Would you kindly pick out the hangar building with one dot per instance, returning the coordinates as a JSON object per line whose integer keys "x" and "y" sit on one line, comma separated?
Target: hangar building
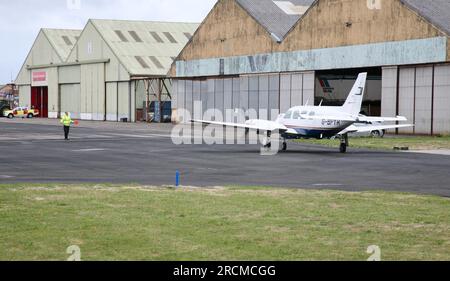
{"x": 111, "y": 71}
{"x": 51, "y": 47}
{"x": 272, "y": 55}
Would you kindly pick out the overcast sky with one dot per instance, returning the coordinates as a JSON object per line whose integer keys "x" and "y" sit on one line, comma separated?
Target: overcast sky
{"x": 21, "y": 20}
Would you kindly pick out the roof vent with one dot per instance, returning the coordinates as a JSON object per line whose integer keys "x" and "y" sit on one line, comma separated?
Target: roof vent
{"x": 170, "y": 37}
{"x": 135, "y": 36}
{"x": 121, "y": 36}
{"x": 156, "y": 37}
{"x": 67, "y": 40}
{"x": 289, "y": 8}
{"x": 188, "y": 35}
{"x": 156, "y": 62}
{"x": 141, "y": 61}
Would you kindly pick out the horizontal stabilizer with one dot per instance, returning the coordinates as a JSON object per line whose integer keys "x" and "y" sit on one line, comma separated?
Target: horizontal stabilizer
{"x": 363, "y": 119}
{"x": 370, "y": 128}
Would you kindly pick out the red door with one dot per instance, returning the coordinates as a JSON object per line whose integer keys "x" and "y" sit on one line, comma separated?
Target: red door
{"x": 39, "y": 100}
{"x": 44, "y": 102}
{"x": 35, "y": 98}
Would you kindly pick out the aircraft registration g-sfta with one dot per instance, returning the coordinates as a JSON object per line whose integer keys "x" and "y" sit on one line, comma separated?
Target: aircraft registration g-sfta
{"x": 321, "y": 122}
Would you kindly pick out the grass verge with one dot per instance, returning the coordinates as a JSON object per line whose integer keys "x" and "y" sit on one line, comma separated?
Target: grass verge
{"x": 141, "y": 223}
{"x": 388, "y": 142}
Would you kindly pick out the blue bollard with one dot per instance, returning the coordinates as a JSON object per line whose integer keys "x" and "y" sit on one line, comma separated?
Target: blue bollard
{"x": 177, "y": 179}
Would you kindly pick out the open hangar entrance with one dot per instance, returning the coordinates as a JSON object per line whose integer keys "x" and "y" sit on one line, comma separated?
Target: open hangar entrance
{"x": 332, "y": 88}
{"x": 153, "y": 99}
{"x": 39, "y": 100}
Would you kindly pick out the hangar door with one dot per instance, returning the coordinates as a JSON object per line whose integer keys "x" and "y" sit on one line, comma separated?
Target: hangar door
{"x": 112, "y": 102}
{"x": 71, "y": 100}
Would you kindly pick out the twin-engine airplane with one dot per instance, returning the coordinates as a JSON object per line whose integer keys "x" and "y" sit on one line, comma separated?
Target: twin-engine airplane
{"x": 321, "y": 122}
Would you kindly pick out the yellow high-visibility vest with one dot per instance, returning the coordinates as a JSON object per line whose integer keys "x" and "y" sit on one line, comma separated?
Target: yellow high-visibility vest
{"x": 66, "y": 120}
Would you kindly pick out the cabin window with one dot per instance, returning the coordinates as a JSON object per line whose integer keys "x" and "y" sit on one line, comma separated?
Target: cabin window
{"x": 288, "y": 115}
{"x": 296, "y": 115}
{"x": 312, "y": 113}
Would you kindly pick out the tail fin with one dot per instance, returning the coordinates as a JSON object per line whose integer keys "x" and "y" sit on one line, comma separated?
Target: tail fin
{"x": 354, "y": 101}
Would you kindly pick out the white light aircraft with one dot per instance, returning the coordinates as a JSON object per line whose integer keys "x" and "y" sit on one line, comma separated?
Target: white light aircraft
{"x": 321, "y": 122}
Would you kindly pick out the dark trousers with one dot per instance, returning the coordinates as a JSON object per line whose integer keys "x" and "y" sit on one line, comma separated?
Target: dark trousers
{"x": 66, "y": 132}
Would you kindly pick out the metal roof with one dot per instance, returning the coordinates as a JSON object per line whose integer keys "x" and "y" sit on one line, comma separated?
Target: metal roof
{"x": 60, "y": 38}
{"x": 135, "y": 45}
{"x": 277, "y": 17}
{"x": 437, "y": 12}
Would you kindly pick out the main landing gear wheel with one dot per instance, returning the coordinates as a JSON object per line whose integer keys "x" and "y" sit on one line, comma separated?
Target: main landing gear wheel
{"x": 284, "y": 147}
{"x": 267, "y": 143}
{"x": 344, "y": 143}
{"x": 343, "y": 148}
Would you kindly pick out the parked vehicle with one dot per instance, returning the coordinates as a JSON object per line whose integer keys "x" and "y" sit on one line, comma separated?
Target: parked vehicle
{"x": 21, "y": 112}
{"x": 4, "y": 106}
{"x": 374, "y": 133}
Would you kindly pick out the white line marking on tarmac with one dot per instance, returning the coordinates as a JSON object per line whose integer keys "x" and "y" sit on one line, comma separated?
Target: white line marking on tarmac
{"x": 89, "y": 150}
{"x": 327, "y": 184}
{"x": 6, "y": 177}
{"x": 148, "y": 136}
{"x": 444, "y": 152}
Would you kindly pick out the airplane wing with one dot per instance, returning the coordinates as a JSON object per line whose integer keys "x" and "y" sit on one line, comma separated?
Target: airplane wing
{"x": 370, "y": 128}
{"x": 363, "y": 119}
{"x": 261, "y": 125}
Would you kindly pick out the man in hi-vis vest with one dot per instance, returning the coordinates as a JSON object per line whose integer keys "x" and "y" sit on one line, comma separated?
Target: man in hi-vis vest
{"x": 66, "y": 121}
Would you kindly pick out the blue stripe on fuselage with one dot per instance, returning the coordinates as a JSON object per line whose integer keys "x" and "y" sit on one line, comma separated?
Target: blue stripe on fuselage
{"x": 313, "y": 133}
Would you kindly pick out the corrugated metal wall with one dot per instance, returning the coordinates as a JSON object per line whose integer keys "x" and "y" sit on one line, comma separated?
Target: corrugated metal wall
{"x": 93, "y": 92}
{"x": 423, "y": 100}
{"x": 423, "y": 95}
{"x": 71, "y": 100}
{"x": 406, "y": 96}
{"x": 53, "y": 90}
{"x": 265, "y": 94}
{"x": 406, "y": 91}
{"x": 188, "y": 100}
{"x": 69, "y": 74}
{"x": 25, "y": 95}
{"x": 308, "y": 87}
{"x": 389, "y": 91}
{"x": 112, "y": 101}
{"x": 97, "y": 99}
{"x": 124, "y": 99}
{"x": 441, "y": 105}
